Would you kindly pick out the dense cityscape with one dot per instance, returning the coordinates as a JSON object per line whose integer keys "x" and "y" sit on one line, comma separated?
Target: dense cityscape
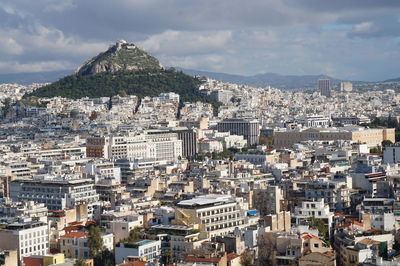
{"x": 227, "y": 134}
{"x": 271, "y": 177}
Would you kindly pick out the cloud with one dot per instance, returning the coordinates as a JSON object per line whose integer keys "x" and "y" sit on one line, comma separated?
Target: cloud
{"x": 42, "y": 66}
{"x": 9, "y": 46}
{"x": 349, "y": 39}
{"x": 187, "y": 43}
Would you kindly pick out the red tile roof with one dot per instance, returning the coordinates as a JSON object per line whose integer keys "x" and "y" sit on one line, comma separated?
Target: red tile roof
{"x": 75, "y": 235}
{"x": 135, "y": 263}
{"x": 210, "y": 260}
{"x": 232, "y": 256}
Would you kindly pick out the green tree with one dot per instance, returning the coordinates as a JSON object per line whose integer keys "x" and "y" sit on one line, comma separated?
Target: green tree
{"x": 386, "y": 143}
{"x": 122, "y": 93}
{"x": 105, "y": 258}
{"x": 246, "y": 259}
{"x": 95, "y": 242}
{"x": 375, "y": 150}
{"x": 80, "y": 262}
{"x": 7, "y": 103}
{"x": 323, "y": 230}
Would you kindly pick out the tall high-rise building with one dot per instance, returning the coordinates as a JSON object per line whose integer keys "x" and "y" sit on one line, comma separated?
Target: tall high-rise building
{"x": 249, "y": 129}
{"x": 324, "y": 87}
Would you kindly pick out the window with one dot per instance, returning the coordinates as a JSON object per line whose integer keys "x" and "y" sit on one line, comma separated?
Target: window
{"x": 316, "y": 245}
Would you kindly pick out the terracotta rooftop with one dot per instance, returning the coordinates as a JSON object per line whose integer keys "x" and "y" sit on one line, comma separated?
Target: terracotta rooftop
{"x": 308, "y": 236}
{"x": 209, "y": 260}
{"x": 232, "y": 256}
{"x": 75, "y": 235}
{"x": 368, "y": 241}
{"x": 135, "y": 263}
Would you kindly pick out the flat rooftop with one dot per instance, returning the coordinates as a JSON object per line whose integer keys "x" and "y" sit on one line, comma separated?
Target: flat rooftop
{"x": 205, "y": 200}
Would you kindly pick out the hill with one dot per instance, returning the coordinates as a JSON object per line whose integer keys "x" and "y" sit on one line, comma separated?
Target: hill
{"x": 123, "y": 68}
{"x": 122, "y": 56}
{"x": 264, "y": 80}
{"x": 140, "y": 83}
{"x": 392, "y": 80}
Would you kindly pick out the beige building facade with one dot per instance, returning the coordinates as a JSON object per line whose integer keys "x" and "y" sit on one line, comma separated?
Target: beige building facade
{"x": 371, "y": 137}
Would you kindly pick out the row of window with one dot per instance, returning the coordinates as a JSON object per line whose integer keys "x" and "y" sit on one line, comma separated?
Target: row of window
{"x": 34, "y": 234}
{"x": 218, "y": 211}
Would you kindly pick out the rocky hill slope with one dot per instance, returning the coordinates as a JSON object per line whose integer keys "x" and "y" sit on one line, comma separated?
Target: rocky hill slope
{"x": 122, "y": 56}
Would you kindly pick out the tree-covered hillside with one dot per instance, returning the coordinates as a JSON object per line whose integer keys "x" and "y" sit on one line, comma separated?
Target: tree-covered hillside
{"x": 140, "y": 83}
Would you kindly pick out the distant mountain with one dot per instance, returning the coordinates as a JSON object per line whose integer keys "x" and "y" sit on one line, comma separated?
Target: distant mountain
{"x": 392, "y": 80}
{"x": 264, "y": 80}
{"x": 122, "y": 56}
{"x": 35, "y": 77}
{"x": 124, "y": 69}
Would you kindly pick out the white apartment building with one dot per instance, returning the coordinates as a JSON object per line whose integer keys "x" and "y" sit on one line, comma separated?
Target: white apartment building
{"x": 120, "y": 228}
{"x": 164, "y": 146}
{"x": 308, "y": 209}
{"x": 214, "y": 214}
{"x": 154, "y": 145}
{"x": 148, "y": 249}
{"x": 210, "y": 145}
{"x": 98, "y": 170}
{"x": 29, "y": 237}
{"x": 24, "y": 209}
{"x": 56, "y": 192}
{"x": 314, "y": 121}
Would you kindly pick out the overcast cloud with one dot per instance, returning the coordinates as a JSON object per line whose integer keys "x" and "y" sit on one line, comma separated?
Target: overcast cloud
{"x": 357, "y": 40}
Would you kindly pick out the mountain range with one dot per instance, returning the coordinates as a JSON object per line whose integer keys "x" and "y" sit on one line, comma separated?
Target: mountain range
{"x": 264, "y": 80}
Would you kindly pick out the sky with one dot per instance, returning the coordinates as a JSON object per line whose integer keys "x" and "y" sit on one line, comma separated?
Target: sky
{"x": 346, "y": 39}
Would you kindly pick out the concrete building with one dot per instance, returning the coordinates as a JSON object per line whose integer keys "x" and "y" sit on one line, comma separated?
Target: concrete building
{"x": 120, "y": 228}
{"x": 371, "y": 137}
{"x": 98, "y": 170}
{"x": 336, "y": 194}
{"x": 223, "y": 96}
{"x": 8, "y": 257}
{"x": 214, "y": 214}
{"x": 279, "y": 222}
{"x": 179, "y": 239}
{"x": 148, "y": 249}
{"x": 268, "y": 200}
{"x": 314, "y": 121}
{"x": 324, "y": 87}
{"x": 45, "y": 260}
{"x": 75, "y": 244}
{"x": 249, "y": 129}
{"x": 346, "y": 86}
{"x": 210, "y": 145}
{"x": 27, "y": 237}
{"x": 391, "y": 154}
{"x": 318, "y": 209}
{"x": 56, "y": 193}
{"x": 154, "y": 144}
